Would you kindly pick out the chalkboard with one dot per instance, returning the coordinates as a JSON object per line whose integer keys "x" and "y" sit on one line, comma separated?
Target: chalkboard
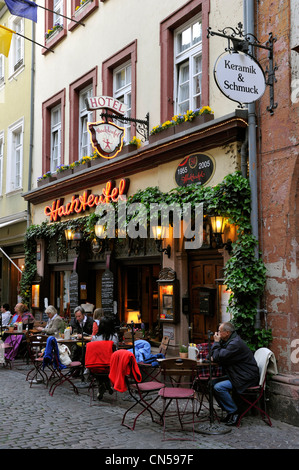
{"x": 74, "y": 291}
{"x": 108, "y": 293}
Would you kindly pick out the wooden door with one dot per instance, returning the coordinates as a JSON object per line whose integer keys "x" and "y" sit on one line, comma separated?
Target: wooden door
{"x": 204, "y": 315}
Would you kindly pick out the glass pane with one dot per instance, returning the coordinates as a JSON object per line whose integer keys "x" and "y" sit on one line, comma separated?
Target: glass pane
{"x": 120, "y": 79}
{"x": 184, "y": 40}
{"x": 197, "y": 65}
{"x": 196, "y": 33}
{"x": 183, "y": 107}
{"x": 128, "y": 77}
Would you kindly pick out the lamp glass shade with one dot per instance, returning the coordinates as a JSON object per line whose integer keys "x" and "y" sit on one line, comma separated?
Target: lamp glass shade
{"x": 159, "y": 232}
{"x": 99, "y": 230}
{"x": 217, "y": 222}
{"x": 69, "y": 233}
{"x": 133, "y": 316}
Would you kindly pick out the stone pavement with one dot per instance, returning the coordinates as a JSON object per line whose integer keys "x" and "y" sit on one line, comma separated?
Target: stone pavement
{"x": 32, "y": 419}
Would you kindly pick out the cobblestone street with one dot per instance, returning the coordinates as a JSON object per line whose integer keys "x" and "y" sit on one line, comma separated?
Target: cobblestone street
{"x": 32, "y": 419}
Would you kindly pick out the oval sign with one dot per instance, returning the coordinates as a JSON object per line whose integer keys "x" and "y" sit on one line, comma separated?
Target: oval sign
{"x": 239, "y": 77}
{"x": 196, "y": 168}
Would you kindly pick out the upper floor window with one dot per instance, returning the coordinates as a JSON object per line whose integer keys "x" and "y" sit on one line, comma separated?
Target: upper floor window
{"x": 55, "y": 138}
{"x": 188, "y": 66}
{"x": 122, "y": 92}
{"x": 16, "y": 56}
{"x": 55, "y": 24}
{"x": 58, "y": 11}
{"x": 85, "y": 116}
{"x": 15, "y": 156}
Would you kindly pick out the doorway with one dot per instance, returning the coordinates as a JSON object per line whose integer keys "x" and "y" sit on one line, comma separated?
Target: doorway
{"x": 138, "y": 290}
{"x": 204, "y": 314}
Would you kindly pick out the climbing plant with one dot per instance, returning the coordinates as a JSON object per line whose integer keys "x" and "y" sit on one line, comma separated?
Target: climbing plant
{"x": 245, "y": 274}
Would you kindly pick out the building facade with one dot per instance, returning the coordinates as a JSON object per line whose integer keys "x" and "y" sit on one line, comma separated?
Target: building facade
{"x": 15, "y": 153}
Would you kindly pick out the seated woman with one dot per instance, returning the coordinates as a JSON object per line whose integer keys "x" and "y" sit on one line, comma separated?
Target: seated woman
{"x": 106, "y": 332}
{"x": 22, "y": 314}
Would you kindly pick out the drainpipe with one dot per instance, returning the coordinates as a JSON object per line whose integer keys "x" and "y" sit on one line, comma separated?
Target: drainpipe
{"x": 249, "y": 9}
{"x": 31, "y": 123}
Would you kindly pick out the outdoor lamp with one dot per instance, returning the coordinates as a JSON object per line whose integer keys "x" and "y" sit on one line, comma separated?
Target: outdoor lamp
{"x": 99, "y": 230}
{"x": 69, "y": 232}
{"x": 218, "y": 223}
{"x": 159, "y": 234}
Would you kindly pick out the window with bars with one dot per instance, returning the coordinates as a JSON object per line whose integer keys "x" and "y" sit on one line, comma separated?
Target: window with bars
{"x": 122, "y": 91}
{"x": 15, "y": 156}
{"x": 188, "y": 66}
{"x": 16, "y": 57}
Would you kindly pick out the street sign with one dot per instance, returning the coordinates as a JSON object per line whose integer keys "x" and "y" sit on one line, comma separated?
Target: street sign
{"x": 239, "y": 77}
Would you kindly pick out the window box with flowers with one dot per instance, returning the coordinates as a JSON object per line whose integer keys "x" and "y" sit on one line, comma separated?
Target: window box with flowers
{"x": 46, "y": 178}
{"x": 64, "y": 170}
{"x": 53, "y": 32}
{"x": 132, "y": 146}
{"x": 181, "y": 122}
{"x": 81, "y": 6}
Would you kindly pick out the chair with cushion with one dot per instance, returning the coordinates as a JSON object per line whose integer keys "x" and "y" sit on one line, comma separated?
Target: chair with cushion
{"x": 254, "y": 397}
{"x": 97, "y": 361}
{"x": 179, "y": 375}
{"x": 59, "y": 372}
{"x": 125, "y": 375}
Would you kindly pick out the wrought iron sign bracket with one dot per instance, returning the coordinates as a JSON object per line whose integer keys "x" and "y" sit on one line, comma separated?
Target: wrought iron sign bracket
{"x": 142, "y": 126}
{"x": 240, "y": 42}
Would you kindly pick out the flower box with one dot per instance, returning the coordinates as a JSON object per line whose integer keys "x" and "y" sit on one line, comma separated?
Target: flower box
{"x": 64, "y": 173}
{"x": 168, "y": 132}
{"x": 45, "y": 181}
{"x": 128, "y": 148}
{"x": 196, "y": 121}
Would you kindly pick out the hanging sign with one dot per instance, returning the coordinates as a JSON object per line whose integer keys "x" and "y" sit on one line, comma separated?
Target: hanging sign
{"x": 108, "y": 102}
{"x": 106, "y": 138}
{"x": 196, "y": 168}
{"x": 239, "y": 77}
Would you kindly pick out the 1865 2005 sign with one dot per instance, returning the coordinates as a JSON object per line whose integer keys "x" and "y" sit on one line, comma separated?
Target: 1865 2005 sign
{"x": 196, "y": 168}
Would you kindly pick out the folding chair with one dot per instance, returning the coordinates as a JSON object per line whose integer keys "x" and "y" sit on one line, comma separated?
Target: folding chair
{"x": 125, "y": 375}
{"x": 164, "y": 345}
{"x": 255, "y": 396}
{"x": 59, "y": 372}
{"x": 35, "y": 346}
{"x": 97, "y": 361}
{"x": 181, "y": 374}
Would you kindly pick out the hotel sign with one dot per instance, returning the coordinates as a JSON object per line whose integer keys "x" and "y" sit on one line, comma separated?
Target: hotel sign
{"x": 106, "y": 137}
{"x": 239, "y": 77}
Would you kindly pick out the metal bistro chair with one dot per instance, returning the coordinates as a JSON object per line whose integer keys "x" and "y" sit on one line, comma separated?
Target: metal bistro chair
{"x": 180, "y": 374}
{"x": 36, "y": 344}
{"x": 254, "y": 395}
{"x": 59, "y": 372}
{"x": 97, "y": 361}
{"x": 125, "y": 375}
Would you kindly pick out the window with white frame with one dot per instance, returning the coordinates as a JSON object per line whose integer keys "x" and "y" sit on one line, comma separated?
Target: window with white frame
{"x": 57, "y": 12}
{"x": 55, "y": 138}
{"x": 122, "y": 91}
{"x": 85, "y": 116}
{"x": 1, "y": 160}
{"x": 15, "y": 156}
{"x": 188, "y": 66}
{"x": 1, "y": 69}
{"x": 16, "y": 57}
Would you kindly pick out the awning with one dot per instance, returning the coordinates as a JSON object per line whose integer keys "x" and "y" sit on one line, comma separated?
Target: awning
{"x": 5, "y": 254}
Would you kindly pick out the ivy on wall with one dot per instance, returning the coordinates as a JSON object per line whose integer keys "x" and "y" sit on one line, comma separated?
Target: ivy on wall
{"x": 245, "y": 275}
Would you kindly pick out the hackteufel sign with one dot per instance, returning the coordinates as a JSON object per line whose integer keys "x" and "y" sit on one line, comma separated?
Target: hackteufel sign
{"x": 239, "y": 77}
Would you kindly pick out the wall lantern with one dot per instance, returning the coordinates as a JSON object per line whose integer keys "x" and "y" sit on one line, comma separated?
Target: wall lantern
{"x": 72, "y": 235}
{"x": 100, "y": 233}
{"x": 218, "y": 223}
{"x": 159, "y": 234}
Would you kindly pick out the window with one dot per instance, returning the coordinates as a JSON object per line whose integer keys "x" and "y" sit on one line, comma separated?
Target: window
{"x": 188, "y": 67}
{"x": 1, "y": 159}
{"x": 119, "y": 81}
{"x": 184, "y": 59}
{"x": 85, "y": 116}
{"x": 55, "y": 138}
{"x": 55, "y": 24}
{"x": 81, "y": 10}
{"x": 79, "y": 138}
{"x": 15, "y": 156}
{"x": 16, "y": 56}
{"x": 122, "y": 92}
{"x": 1, "y": 69}
{"x": 53, "y": 111}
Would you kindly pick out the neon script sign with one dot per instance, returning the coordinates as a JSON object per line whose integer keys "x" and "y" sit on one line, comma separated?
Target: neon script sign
{"x": 84, "y": 202}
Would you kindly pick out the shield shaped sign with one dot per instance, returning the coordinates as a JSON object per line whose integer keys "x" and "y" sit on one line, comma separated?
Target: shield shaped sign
{"x": 106, "y": 138}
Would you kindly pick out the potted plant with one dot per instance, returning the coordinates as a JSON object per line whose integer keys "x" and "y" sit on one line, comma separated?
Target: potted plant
{"x": 183, "y": 351}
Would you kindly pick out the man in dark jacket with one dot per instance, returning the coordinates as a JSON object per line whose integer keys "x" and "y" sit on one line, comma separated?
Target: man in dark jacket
{"x": 82, "y": 325}
{"x": 241, "y": 369}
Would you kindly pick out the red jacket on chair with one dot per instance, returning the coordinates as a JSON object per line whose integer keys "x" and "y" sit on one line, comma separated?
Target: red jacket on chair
{"x": 98, "y": 355}
{"x": 123, "y": 363}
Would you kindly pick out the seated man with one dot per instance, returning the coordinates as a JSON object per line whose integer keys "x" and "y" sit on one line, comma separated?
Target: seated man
{"x": 82, "y": 325}
{"x": 55, "y": 323}
{"x": 241, "y": 369}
